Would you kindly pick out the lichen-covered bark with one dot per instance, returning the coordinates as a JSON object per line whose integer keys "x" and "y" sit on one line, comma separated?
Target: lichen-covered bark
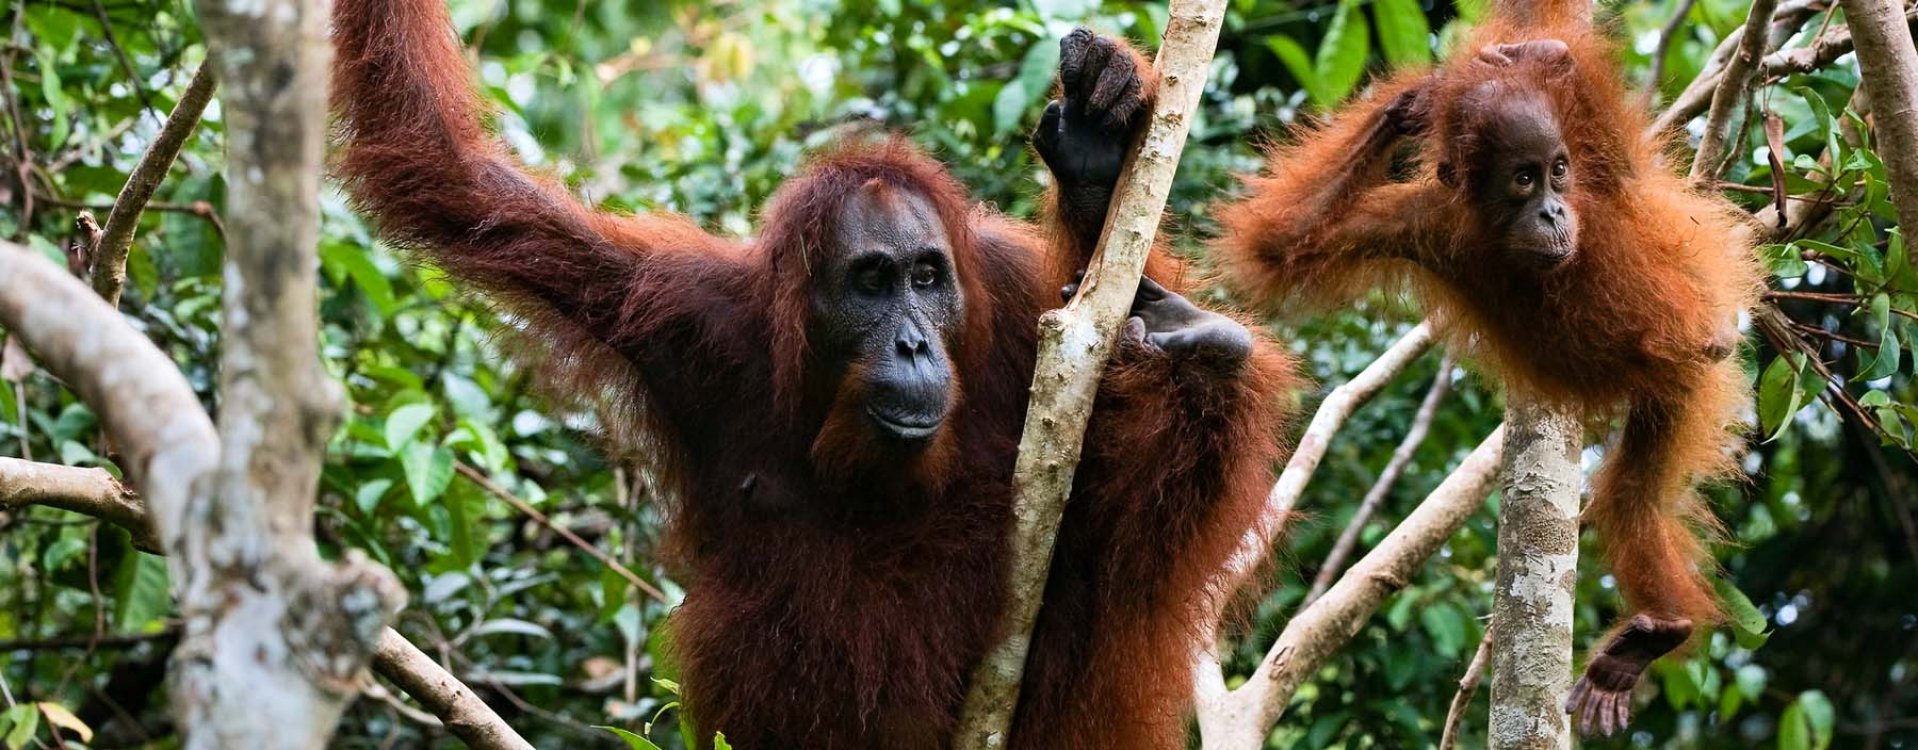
{"x": 1074, "y": 343}
{"x": 276, "y": 640}
{"x": 1532, "y": 603}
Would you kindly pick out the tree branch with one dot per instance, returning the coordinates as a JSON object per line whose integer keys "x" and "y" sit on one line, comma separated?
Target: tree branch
{"x": 1338, "y": 406}
{"x": 110, "y": 256}
{"x": 1467, "y": 686}
{"x": 89, "y": 492}
{"x": 1401, "y": 457}
{"x": 463, "y": 713}
{"x": 95, "y": 493}
{"x": 1532, "y": 603}
{"x": 1074, "y": 343}
{"x": 1888, "y": 67}
{"x": 1697, "y": 96}
{"x": 1736, "y": 78}
{"x": 1240, "y": 720}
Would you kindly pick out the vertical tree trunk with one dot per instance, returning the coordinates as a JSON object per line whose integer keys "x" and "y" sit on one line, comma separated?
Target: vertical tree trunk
{"x": 276, "y": 640}
{"x": 1074, "y": 344}
{"x": 1533, "y": 605}
{"x": 1888, "y": 69}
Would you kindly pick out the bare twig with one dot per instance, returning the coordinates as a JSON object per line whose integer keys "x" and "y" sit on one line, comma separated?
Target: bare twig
{"x": 1789, "y": 16}
{"x": 1074, "y": 343}
{"x": 462, "y": 712}
{"x": 1467, "y": 686}
{"x": 1401, "y": 457}
{"x": 110, "y": 257}
{"x": 570, "y": 537}
{"x": 1240, "y": 720}
{"x": 1729, "y": 95}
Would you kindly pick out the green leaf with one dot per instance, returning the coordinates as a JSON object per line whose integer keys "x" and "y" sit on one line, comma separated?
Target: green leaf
{"x": 1404, "y": 34}
{"x": 343, "y": 260}
{"x": 1748, "y": 624}
{"x": 720, "y": 743}
{"x": 367, "y": 497}
{"x": 1778, "y": 394}
{"x": 1446, "y": 625}
{"x": 429, "y": 469}
{"x": 1794, "y": 732}
{"x": 1341, "y": 59}
{"x": 140, "y": 591}
{"x": 405, "y": 422}
{"x": 633, "y": 741}
{"x": 1299, "y": 64}
{"x": 26, "y": 724}
{"x": 1819, "y": 717}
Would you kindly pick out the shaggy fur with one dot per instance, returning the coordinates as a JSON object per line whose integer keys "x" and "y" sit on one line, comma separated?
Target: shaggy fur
{"x": 1657, "y": 280}
{"x": 841, "y": 589}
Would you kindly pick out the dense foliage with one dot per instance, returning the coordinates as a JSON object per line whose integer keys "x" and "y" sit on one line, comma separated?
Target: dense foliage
{"x": 703, "y": 108}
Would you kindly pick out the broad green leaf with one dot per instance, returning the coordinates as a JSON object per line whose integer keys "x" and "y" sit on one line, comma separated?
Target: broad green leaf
{"x": 1778, "y": 394}
{"x": 367, "y": 497}
{"x": 344, "y": 260}
{"x": 1299, "y": 64}
{"x": 26, "y": 724}
{"x": 1820, "y": 718}
{"x": 429, "y": 469}
{"x": 1446, "y": 625}
{"x": 720, "y": 743}
{"x": 1794, "y": 732}
{"x": 1748, "y": 624}
{"x": 139, "y": 591}
{"x": 1341, "y": 58}
{"x": 633, "y": 741}
{"x": 1404, "y": 34}
{"x": 405, "y": 422}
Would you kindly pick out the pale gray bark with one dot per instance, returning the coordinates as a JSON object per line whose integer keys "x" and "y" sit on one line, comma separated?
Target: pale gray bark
{"x": 1074, "y": 343}
{"x": 1888, "y": 67}
{"x": 1532, "y": 603}
{"x": 91, "y": 492}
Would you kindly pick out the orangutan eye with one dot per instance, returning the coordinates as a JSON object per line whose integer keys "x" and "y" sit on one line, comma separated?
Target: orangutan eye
{"x": 871, "y": 278}
{"x": 1559, "y": 168}
{"x": 923, "y": 275}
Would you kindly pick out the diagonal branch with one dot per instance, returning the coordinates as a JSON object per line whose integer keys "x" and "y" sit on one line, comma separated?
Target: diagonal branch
{"x": 1241, "y": 719}
{"x": 1401, "y": 457}
{"x": 89, "y": 492}
{"x": 1737, "y": 77}
{"x": 110, "y": 256}
{"x": 1074, "y": 343}
{"x": 1338, "y": 406}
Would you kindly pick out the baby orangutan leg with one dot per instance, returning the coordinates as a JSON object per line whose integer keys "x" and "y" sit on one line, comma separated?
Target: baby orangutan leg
{"x": 1602, "y": 699}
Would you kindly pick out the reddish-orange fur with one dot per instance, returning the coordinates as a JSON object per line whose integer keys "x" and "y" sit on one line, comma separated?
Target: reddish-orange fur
{"x": 1658, "y": 279}
{"x": 840, "y": 590}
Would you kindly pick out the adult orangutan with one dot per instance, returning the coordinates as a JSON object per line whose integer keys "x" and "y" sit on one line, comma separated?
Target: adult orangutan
{"x": 1545, "y": 235}
{"x": 836, "y": 406}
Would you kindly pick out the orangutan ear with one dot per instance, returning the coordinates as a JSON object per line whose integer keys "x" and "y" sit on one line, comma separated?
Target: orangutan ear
{"x": 1447, "y": 174}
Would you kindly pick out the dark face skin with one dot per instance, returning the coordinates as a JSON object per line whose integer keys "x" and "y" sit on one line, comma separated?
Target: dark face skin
{"x": 887, "y": 305}
{"x": 1522, "y": 184}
